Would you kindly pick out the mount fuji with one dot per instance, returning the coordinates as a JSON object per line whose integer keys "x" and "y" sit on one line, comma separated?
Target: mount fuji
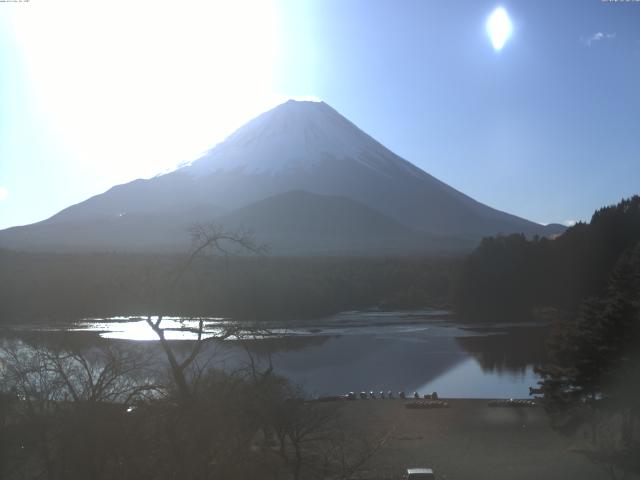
{"x": 303, "y": 178}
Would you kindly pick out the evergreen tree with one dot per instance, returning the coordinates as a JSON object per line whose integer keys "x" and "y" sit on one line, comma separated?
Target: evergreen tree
{"x": 593, "y": 377}
{"x": 592, "y": 356}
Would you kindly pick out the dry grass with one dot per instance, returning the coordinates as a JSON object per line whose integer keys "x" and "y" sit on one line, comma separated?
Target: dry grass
{"x": 470, "y": 441}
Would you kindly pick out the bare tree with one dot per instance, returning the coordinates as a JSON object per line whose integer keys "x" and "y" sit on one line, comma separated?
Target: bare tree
{"x": 315, "y": 441}
{"x": 207, "y": 240}
{"x": 68, "y": 406}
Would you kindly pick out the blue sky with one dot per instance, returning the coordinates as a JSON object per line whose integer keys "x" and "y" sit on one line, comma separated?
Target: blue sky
{"x": 98, "y": 93}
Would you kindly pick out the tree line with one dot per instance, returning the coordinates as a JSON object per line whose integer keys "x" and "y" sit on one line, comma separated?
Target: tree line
{"x": 510, "y": 277}
{"x": 65, "y": 287}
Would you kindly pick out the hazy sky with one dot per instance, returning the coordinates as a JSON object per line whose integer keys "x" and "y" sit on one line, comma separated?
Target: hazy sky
{"x": 98, "y": 93}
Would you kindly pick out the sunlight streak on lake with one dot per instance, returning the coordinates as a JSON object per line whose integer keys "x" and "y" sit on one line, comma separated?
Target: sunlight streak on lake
{"x": 136, "y": 328}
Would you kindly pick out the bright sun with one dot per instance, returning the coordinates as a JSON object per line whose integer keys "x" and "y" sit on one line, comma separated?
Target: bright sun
{"x": 138, "y": 86}
{"x": 499, "y": 28}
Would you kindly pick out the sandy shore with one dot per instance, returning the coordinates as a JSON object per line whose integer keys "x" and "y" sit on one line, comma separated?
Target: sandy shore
{"x": 469, "y": 441}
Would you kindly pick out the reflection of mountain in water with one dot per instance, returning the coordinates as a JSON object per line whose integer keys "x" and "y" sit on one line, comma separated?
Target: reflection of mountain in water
{"x": 509, "y": 349}
{"x": 368, "y": 362}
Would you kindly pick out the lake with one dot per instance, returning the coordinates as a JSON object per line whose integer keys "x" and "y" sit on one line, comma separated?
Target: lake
{"x": 421, "y": 350}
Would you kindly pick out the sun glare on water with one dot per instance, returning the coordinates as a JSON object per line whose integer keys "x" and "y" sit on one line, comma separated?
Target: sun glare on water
{"x": 499, "y": 28}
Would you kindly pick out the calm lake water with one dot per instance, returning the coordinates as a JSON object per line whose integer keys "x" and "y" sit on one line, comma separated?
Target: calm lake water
{"x": 420, "y": 351}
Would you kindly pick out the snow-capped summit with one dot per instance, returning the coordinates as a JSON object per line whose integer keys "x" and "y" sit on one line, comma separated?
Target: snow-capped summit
{"x": 296, "y": 135}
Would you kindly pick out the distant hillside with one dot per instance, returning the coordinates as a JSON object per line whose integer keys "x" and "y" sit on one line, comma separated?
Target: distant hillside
{"x": 509, "y": 276}
{"x": 305, "y": 223}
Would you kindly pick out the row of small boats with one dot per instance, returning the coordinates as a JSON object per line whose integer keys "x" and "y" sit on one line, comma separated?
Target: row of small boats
{"x": 512, "y": 403}
{"x": 428, "y": 400}
{"x": 388, "y": 395}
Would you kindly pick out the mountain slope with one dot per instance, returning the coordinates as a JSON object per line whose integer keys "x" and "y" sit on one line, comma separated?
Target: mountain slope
{"x": 297, "y": 146}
